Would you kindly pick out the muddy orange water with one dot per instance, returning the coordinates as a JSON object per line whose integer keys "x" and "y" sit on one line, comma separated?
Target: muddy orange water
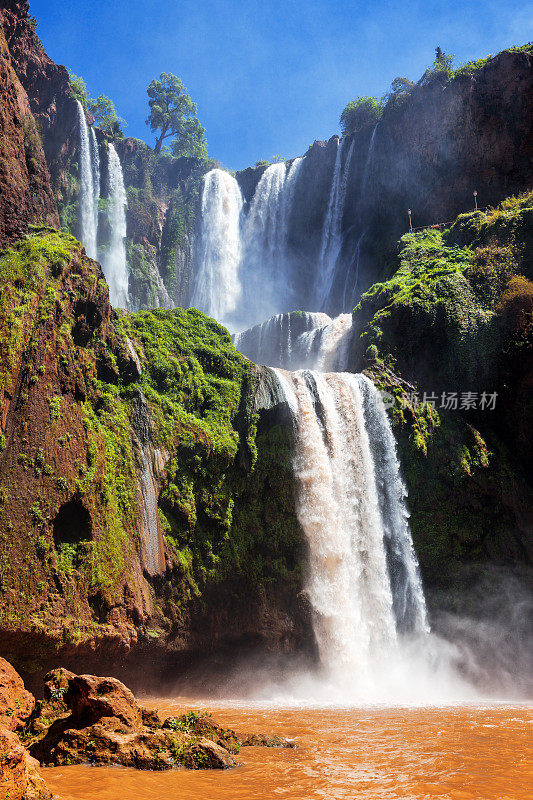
{"x": 457, "y": 753}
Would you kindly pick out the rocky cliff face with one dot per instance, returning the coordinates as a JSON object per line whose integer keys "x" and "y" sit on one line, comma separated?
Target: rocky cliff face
{"x": 47, "y": 87}
{"x": 428, "y": 154}
{"x": 132, "y": 524}
{"x": 454, "y": 323}
{"x": 163, "y": 209}
{"x": 25, "y": 191}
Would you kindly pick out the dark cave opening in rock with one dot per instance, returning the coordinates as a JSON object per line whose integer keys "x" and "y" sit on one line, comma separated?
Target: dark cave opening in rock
{"x": 72, "y": 524}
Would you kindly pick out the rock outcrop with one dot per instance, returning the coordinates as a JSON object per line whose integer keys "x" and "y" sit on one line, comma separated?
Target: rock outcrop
{"x": 99, "y": 721}
{"x": 16, "y": 704}
{"x": 428, "y": 154}
{"x": 46, "y": 85}
{"x": 86, "y": 579}
{"x": 19, "y": 775}
{"x": 25, "y": 189}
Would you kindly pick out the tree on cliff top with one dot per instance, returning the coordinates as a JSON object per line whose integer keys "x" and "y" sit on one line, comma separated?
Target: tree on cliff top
{"x": 173, "y": 113}
{"x": 102, "y": 108}
{"x": 360, "y": 112}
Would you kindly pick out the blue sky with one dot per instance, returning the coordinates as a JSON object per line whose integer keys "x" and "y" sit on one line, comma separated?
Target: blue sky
{"x": 268, "y": 77}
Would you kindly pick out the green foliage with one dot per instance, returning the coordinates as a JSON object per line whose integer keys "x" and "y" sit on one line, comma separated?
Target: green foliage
{"x": 190, "y": 141}
{"x": 400, "y": 90}
{"x": 445, "y": 327}
{"x": 102, "y": 108}
{"x": 441, "y": 69}
{"x": 23, "y": 269}
{"x": 173, "y": 114}
{"x": 103, "y": 111}
{"x": 78, "y": 88}
{"x": 55, "y": 407}
{"x": 360, "y": 113}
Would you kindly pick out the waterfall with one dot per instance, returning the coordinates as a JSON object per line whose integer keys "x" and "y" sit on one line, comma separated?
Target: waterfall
{"x": 298, "y": 341}
{"x": 89, "y": 185}
{"x": 264, "y": 268}
{"x": 95, "y": 164}
{"x": 350, "y": 293}
{"x": 355, "y": 528}
{"x": 217, "y": 288}
{"x": 243, "y": 265}
{"x": 407, "y": 593}
{"x": 278, "y": 341}
{"x": 152, "y": 548}
{"x": 287, "y": 201}
{"x": 114, "y": 260}
{"x": 332, "y": 231}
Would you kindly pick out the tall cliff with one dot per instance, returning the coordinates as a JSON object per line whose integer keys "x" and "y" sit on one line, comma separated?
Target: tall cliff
{"x": 444, "y": 139}
{"x": 132, "y": 521}
{"x": 25, "y": 190}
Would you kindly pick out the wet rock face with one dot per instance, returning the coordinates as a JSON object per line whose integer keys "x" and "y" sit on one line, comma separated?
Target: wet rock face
{"x": 45, "y": 83}
{"x": 19, "y": 775}
{"x": 16, "y": 704}
{"x": 25, "y": 190}
{"x": 106, "y": 726}
{"x": 99, "y": 721}
{"x": 90, "y": 699}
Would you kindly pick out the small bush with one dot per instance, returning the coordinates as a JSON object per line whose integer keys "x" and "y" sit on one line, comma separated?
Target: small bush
{"x": 360, "y": 113}
{"x": 516, "y": 304}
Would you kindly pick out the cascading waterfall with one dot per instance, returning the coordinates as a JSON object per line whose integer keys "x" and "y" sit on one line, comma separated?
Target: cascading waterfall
{"x": 298, "y": 340}
{"x": 278, "y": 342}
{"x": 287, "y": 200}
{"x": 95, "y": 164}
{"x": 217, "y": 290}
{"x": 407, "y": 593}
{"x": 243, "y": 263}
{"x": 351, "y": 285}
{"x": 363, "y": 580}
{"x": 264, "y": 272}
{"x": 114, "y": 261}
{"x": 368, "y": 162}
{"x": 89, "y": 185}
{"x": 332, "y": 231}
{"x": 344, "y": 451}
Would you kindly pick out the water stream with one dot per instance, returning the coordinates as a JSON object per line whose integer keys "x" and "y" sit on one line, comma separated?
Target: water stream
{"x": 89, "y": 185}
{"x": 114, "y": 259}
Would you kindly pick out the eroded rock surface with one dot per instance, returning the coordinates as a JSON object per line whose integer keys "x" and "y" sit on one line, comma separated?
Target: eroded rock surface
{"x": 98, "y": 720}
{"x": 16, "y": 704}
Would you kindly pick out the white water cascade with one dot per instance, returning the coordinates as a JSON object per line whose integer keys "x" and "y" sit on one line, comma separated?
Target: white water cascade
{"x": 89, "y": 185}
{"x": 298, "y": 341}
{"x": 264, "y": 272}
{"x": 217, "y": 290}
{"x": 243, "y": 261}
{"x": 114, "y": 261}
{"x": 332, "y": 231}
{"x": 350, "y": 503}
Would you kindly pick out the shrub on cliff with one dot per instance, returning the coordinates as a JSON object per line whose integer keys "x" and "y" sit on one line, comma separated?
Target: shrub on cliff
{"x": 400, "y": 90}
{"x": 516, "y": 304}
{"x": 102, "y": 108}
{"x": 359, "y": 113}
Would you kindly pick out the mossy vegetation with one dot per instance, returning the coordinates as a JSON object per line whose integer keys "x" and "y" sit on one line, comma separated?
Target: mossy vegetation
{"x": 67, "y": 453}
{"x": 438, "y": 315}
{"x": 70, "y": 456}
{"x": 457, "y": 316}
{"x": 216, "y": 504}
